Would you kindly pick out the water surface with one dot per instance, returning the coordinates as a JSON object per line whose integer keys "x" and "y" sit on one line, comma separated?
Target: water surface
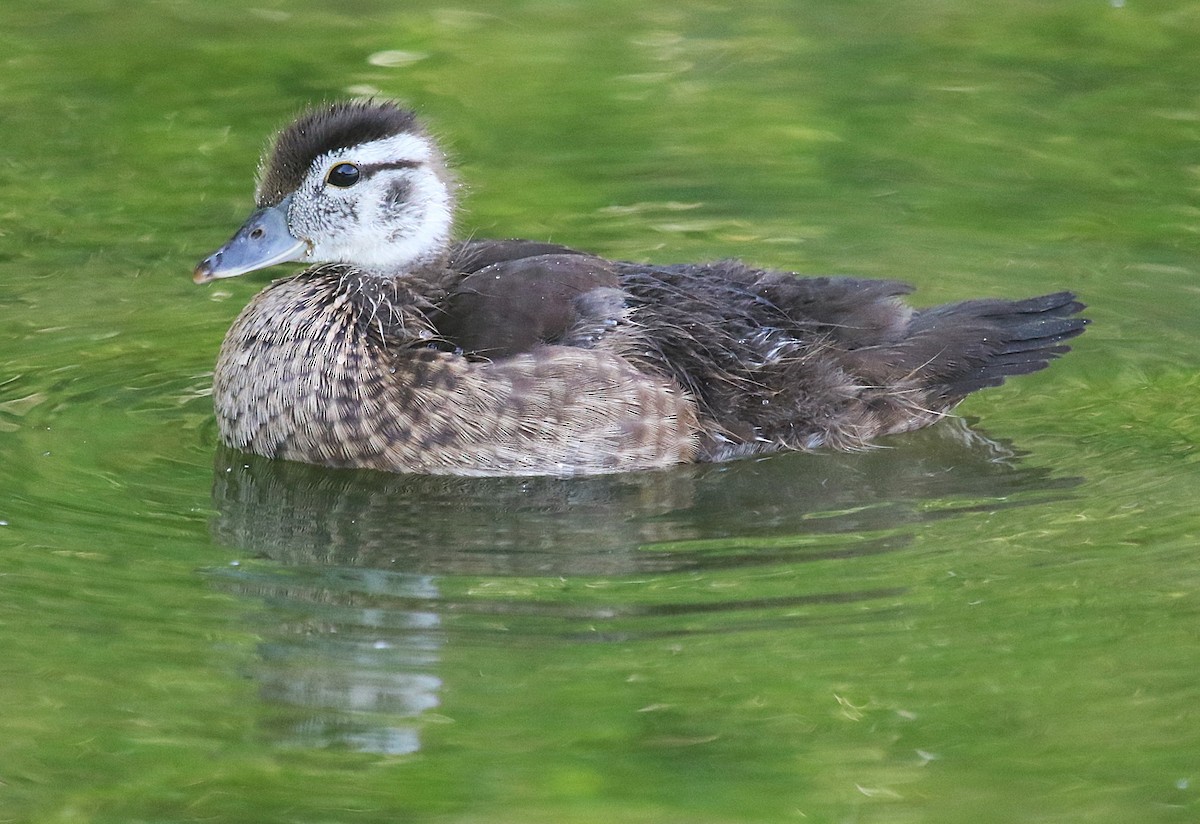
{"x": 984, "y": 623}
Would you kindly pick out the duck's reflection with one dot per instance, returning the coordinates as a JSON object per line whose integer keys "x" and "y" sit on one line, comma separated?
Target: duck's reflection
{"x": 352, "y": 591}
{"x": 358, "y": 660}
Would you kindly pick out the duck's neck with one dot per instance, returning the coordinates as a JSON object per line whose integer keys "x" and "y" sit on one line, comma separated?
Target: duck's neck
{"x": 395, "y": 308}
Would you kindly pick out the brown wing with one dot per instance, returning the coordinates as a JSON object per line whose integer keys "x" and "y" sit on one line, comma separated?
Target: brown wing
{"x": 512, "y": 305}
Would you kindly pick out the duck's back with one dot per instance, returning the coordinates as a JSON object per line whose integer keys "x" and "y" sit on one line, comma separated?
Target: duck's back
{"x": 776, "y": 361}
{"x": 772, "y": 360}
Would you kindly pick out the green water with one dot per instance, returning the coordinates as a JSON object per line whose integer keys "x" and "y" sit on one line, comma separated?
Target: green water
{"x": 995, "y": 627}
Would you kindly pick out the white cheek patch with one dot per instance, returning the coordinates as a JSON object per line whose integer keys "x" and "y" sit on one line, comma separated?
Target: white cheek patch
{"x": 377, "y": 232}
{"x": 430, "y": 214}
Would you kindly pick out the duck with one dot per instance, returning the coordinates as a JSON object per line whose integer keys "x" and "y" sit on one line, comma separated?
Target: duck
{"x": 403, "y": 349}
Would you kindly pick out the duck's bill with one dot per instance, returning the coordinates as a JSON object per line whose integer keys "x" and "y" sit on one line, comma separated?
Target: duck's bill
{"x": 263, "y": 241}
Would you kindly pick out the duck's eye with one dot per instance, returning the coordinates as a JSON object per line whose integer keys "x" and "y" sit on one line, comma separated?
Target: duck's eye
{"x": 343, "y": 175}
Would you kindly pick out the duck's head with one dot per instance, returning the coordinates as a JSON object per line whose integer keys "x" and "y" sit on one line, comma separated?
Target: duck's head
{"x": 358, "y": 183}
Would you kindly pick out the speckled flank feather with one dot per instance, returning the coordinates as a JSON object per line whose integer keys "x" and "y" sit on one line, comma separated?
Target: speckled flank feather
{"x": 322, "y": 130}
{"x": 335, "y": 369}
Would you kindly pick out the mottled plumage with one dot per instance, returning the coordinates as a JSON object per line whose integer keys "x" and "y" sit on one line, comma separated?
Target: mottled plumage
{"x": 406, "y": 352}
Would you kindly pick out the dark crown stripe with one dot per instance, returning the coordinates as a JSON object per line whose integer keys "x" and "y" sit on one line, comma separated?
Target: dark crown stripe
{"x": 319, "y": 131}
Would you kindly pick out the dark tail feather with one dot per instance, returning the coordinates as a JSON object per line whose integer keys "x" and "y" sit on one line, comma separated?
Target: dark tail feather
{"x": 962, "y": 347}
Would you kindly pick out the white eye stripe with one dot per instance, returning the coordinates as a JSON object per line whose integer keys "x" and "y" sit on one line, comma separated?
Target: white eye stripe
{"x": 398, "y": 148}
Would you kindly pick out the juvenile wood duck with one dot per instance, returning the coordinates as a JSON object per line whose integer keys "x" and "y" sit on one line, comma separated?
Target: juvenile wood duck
{"x": 402, "y": 350}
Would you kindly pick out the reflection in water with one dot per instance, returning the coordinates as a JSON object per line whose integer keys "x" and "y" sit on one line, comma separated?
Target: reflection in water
{"x": 373, "y": 664}
{"x": 353, "y": 609}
